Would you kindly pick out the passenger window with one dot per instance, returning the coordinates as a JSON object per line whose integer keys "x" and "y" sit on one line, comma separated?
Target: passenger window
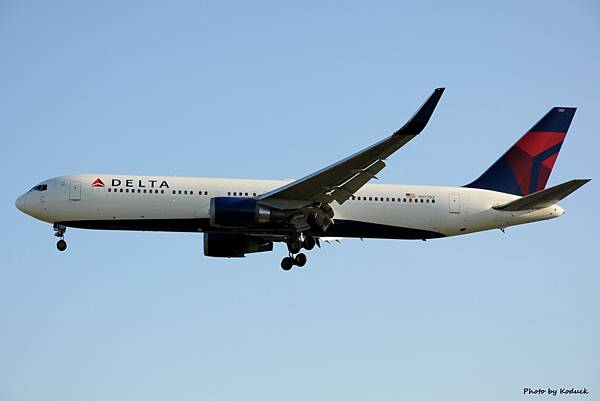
{"x": 393, "y": 199}
{"x": 205, "y": 192}
{"x": 179, "y": 192}
{"x": 421, "y": 200}
{"x": 108, "y": 189}
{"x": 162, "y": 191}
{"x": 370, "y": 198}
{"x": 433, "y": 201}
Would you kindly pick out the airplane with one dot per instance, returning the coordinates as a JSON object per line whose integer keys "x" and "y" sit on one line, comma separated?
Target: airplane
{"x": 243, "y": 216}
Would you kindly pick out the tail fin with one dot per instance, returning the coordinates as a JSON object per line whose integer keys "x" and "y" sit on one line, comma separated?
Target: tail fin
{"x": 526, "y": 167}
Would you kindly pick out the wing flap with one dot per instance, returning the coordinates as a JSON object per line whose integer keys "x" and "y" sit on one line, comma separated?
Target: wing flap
{"x": 343, "y": 193}
{"x": 543, "y": 198}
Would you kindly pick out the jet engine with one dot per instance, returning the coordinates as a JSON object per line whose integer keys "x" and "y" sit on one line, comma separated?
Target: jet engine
{"x": 233, "y": 245}
{"x": 241, "y": 212}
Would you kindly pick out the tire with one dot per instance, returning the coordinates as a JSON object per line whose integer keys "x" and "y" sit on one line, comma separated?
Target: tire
{"x": 287, "y": 263}
{"x": 294, "y": 246}
{"x": 309, "y": 243}
{"x": 61, "y": 245}
{"x": 300, "y": 260}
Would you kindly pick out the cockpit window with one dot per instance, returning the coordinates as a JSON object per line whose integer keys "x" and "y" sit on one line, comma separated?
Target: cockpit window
{"x": 41, "y": 187}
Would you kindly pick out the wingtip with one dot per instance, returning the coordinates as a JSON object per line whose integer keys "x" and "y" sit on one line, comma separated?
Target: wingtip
{"x": 579, "y": 182}
{"x": 419, "y": 120}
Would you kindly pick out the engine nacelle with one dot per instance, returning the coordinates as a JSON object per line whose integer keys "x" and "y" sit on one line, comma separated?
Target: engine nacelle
{"x": 241, "y": 212}
{"x": 224, "y": 245}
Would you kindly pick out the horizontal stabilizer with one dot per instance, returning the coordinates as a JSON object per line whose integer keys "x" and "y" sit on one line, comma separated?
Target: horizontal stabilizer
{"x": 544, "y": 198}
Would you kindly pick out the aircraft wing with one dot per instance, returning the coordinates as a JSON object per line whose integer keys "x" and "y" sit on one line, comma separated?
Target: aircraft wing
{"x": 342, "y": 179}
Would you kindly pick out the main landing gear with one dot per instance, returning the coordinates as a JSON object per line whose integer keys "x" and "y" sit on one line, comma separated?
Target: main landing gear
{"x": 294, "y": 246}
{"x": 59, "y": 231}
{"x": 289, "y": 261}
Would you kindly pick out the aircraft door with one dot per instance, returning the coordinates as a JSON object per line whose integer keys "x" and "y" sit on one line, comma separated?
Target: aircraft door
{"x": 454, "y": 203}
{"x": 75, "y": 190}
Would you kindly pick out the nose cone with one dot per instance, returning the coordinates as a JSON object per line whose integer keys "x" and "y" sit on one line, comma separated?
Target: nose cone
{"x": 31, "y": 206}
{"x": 559, "y": 210}
{"x": 20, "y": 203}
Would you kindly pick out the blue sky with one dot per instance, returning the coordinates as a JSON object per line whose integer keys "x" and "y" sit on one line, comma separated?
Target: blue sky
{"x": 270, "y": 90}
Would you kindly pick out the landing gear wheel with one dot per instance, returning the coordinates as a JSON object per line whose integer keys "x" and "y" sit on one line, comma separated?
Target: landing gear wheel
{"x": 287, "y": 263}
{"x": 309, "y": 243}
{"x": 61, "y": 245}
{"x": 300, "y": 260}
{"x": 294, "y": 246}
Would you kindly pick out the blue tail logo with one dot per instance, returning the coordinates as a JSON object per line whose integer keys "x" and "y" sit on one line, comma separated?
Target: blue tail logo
{"x": 526, "y": 166}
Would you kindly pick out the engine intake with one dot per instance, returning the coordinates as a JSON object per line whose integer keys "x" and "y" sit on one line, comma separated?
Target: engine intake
{"x": 241, "y": 212}
{"x": 233, "y": 245}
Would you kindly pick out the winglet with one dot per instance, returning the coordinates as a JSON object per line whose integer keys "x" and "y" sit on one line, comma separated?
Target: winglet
{"x": 419, "y": 120}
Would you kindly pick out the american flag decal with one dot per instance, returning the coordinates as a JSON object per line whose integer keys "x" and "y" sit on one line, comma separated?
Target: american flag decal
{"x": 410, "y": 196}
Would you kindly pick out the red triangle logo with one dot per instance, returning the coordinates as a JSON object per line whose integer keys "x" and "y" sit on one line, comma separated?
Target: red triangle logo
{"x": 98, "y": 183}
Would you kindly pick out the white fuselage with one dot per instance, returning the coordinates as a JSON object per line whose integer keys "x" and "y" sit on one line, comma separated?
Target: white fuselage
{"x": 182, "y": 204}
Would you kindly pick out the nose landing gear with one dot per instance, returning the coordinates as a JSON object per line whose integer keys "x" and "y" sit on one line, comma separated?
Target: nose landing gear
{"x": 61, "y": 245}
{"x": 59, "y": 231}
